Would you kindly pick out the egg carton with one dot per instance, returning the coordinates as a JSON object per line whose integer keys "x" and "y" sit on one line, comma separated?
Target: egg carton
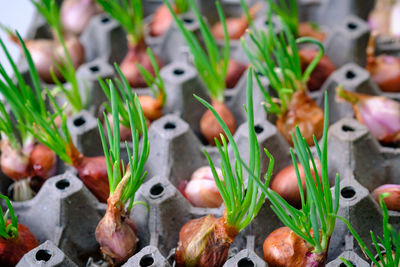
{"x": 387, "y": 45}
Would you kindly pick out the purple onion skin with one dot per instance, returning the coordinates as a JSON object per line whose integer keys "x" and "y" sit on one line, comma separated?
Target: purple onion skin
{"x": 315, "y": 259}
{"x": 76, "y": 14}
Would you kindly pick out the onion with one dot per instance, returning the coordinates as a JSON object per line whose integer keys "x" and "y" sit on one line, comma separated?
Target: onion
{"x": 137, "y": 54}
{"x": 209, "y": 125}
{"x": 152, "y": 107}
{"x": 395, "y": 20}
{"x": 204, "y": 242}
{"x": 306, "y": 29}
{"x": 42, "y": 162}
{"x": 385, "y": 71}
{"x": 13, "y": 249}
{"x": 14, "y": 164}
{"x": 304, "y": 113}
{"x": 321, "y": 72}
{"x": 116, "y": 233}
{"x": 286, "y": 185}
{"x": 234, "y": 73}
{"x": 283, "y": 248}
{"x": 393, "y": 201}
{"x": 378, "y": 19}
{"x": 201, "y": 190}
{"x": 76, "y": 14}
{"x": 92, "y": 171}
{"x": 236, "y": 26}
{"x": 46, "y": 52}
{"x": 162, "y": 20}
{"x": 381, "y": 115}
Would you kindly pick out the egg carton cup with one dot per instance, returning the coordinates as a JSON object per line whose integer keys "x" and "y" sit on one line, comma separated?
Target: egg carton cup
{"x": 387, "y": 45}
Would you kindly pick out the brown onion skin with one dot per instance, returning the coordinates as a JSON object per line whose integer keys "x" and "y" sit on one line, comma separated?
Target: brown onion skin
{"x": 393, "y": 201}
{"x": 307, "y": 30}
{"x": 13, "y": 249}
{"x": 286, "y": 185}
{"x": 162, "y": 20}
{"x": 321, "y": 72}
{"x": 283, "y": 248}
{"x": 234, "y": 73}
{"x": 116, "y": 233}
{"x": 137, "y": 54}
{"x": 42, "y": 161}
{"x": 76, "y": 14}
{"x": 45, "y": 52}
{"x": 92, "y": 171}
{"x": 152, "y": 107}
{"x": 385, "y": 71}
{"x": 304, "y": 113}
{"x": 212, "y": 237}
{"x": 209, "y": 125}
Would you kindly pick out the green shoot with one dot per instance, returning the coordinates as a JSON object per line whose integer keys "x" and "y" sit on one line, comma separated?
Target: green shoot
{"x": 125, "y": 95}
{"x": 129, "y": 13}
{"x": 112, "y": 152}
{"x": 156, "y": 84}
{"x": 10, "y": 230}
{"x": 242, "y": 204}
{"x": 211, "y": 64}
{"x": 51, "y": 12}
{"x": 319, "y": 211}
{"x": 284, "y": 74}
{"x": 18, "y": 96}
{"x": 182, "y": 6}
{"x": 288, "y": 12}
{"x": 391, "y": 241}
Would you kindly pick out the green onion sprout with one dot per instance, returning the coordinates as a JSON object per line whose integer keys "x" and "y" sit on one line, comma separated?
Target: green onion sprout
{"x": 10, "y": 230}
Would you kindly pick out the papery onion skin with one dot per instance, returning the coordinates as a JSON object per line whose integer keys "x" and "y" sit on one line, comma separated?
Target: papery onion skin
{"x": 286, "y": 185}
{"x": 379, "y": 114}
{"x": 152, "y": 107}
{"x": 162, "y": 20}
{"x": 42, "y": 162}
{"x": 209, "y": 125}
{"x": 45, "y": 52}
{"x": 393, "y": 201}
{"x": 304, "y": 113}
{"x": 92, "y": 171}
{"x": 13, "y": 249}
{"x": 385, "y": 71}
{"x": 204, "y": 242}
{"x": 76, "y": 14}
{"x": 321, "y": 72}
{"x": 116, "y": 233}
{"x": 234, "y": 73}
{"x": 202, "y": 191}
{"x": 306, "y": 29}
{"x": 137, "y": 54}
{"x": 283, "y": 248}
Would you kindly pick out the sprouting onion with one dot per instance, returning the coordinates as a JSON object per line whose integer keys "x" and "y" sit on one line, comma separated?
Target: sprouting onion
{"x": 162, "y": 18}
{"x": 21, "y": 158}
{"x": 205, "y": 241}
{"x": 116, "y": 232}
{"x": 15, "y": 239}
{"x": 294, "y": 107}
{"x": 64, "y": 64}
{"x": 391, "y": 241}
{"x": 314, "y": 223}
{"x": 288, "y": 11}
{"x": 212, "y": 66}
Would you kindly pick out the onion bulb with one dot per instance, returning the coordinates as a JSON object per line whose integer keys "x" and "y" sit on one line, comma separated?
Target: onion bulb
{"x": 283, "y": 248}
{"x": 302, "y": 112}
{"x": 236, "y": 26}
{"x": 379, "y": 114}
{"x": 13, "y": 249}
{"x": 378, "y": 19}
{"x": 393, "y": 201}
{"x": 307, "y": 29}
{"x": 286, "y": 185}
{"x": 162, "y": 20}
{"x": 234, "y": 73}
{"x": 385, "y": 71}
{"x": 76, "y": 14}
{"x": 209, "y": 125}
{"x": 15, "y": 163}
{"x": 42, "y": 162}
{"x": 201, "y": 190}
{"x": 204, "y": 242}
{"x": 321, "y": 72}
{"x": 395, "y": 20}
{"x": 137, "y": 55}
